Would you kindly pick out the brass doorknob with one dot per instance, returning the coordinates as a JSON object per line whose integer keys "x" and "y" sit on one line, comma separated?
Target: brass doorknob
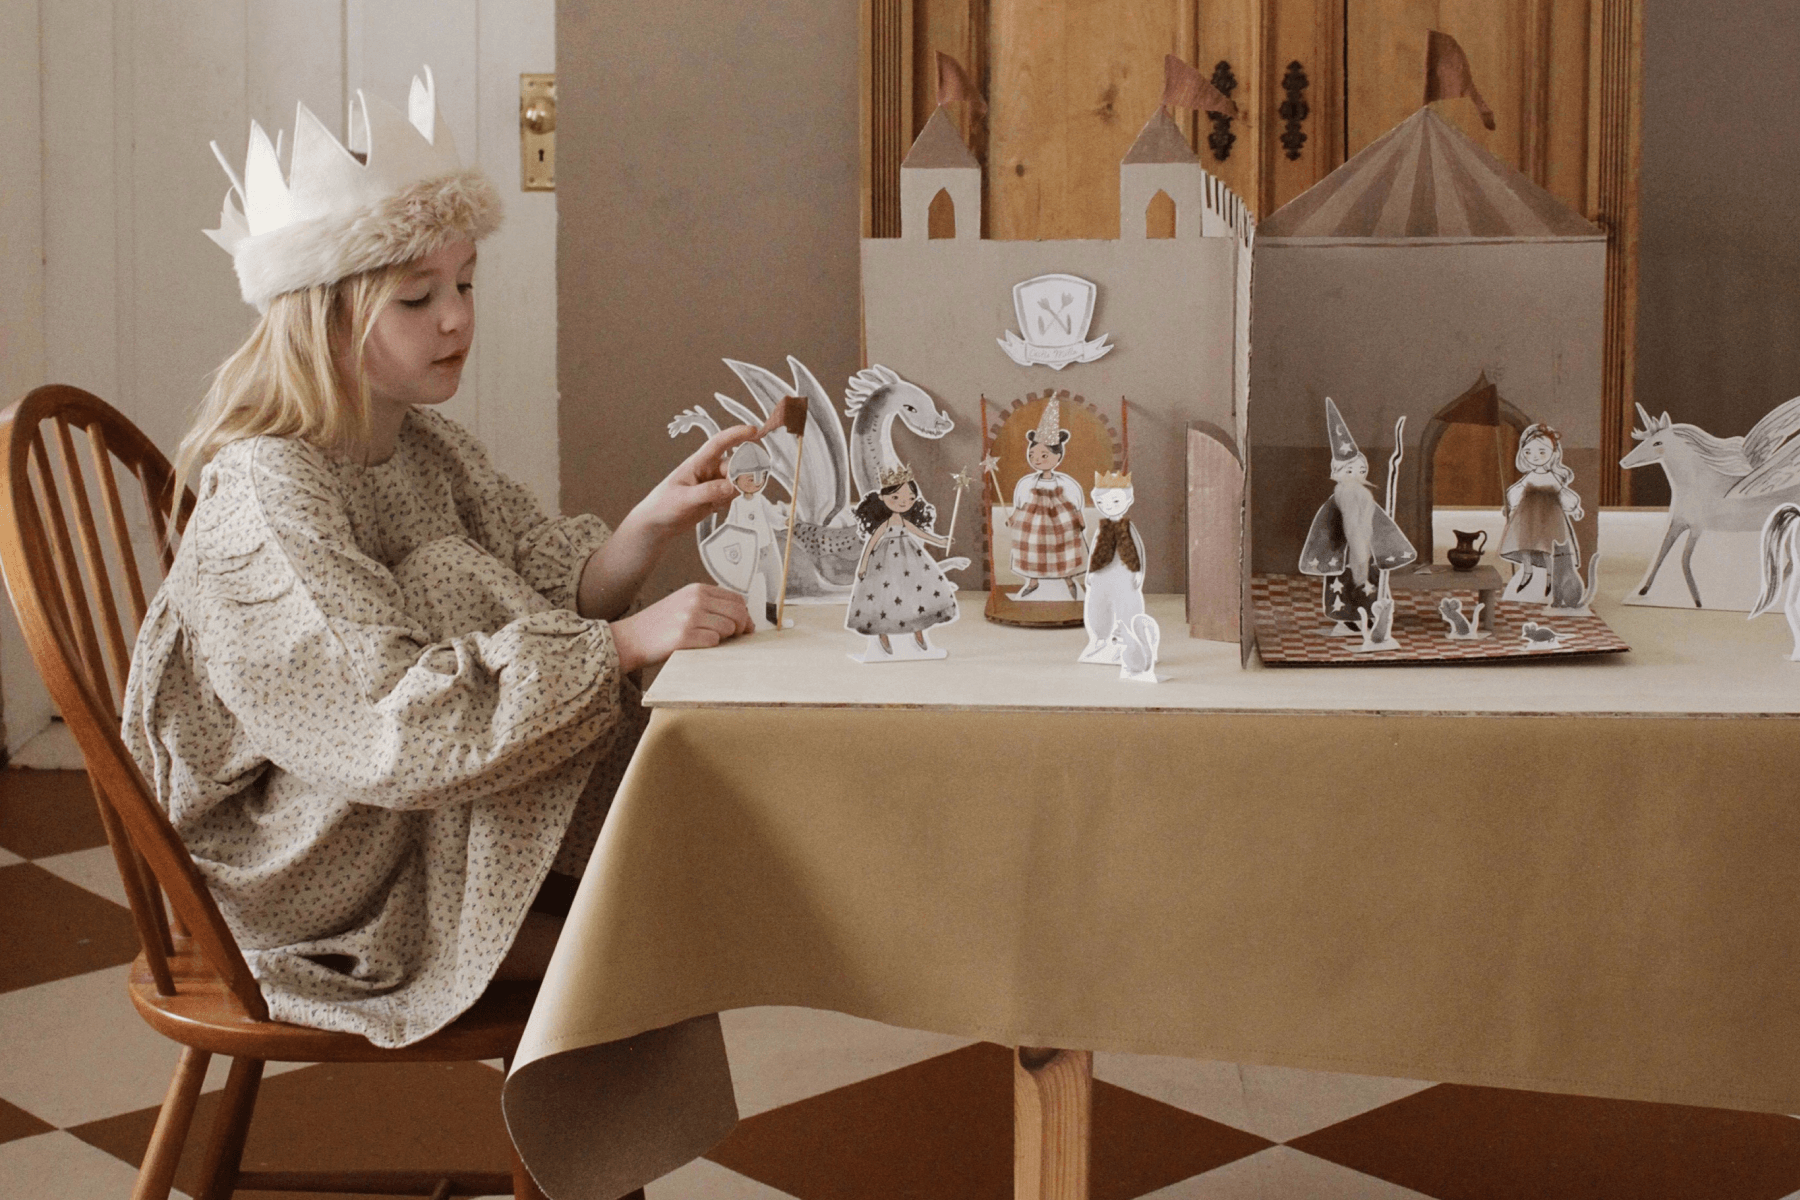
{"x": 540, "y": 115}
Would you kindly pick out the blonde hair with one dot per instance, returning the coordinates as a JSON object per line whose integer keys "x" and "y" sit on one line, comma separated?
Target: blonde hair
{"x": 285, "y": 381}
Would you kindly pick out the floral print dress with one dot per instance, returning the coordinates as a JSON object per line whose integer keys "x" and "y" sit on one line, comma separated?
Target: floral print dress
{"x": 367, "y": 707}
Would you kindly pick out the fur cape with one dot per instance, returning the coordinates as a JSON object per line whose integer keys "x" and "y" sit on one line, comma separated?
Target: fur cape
{"x": 411, "y": 223}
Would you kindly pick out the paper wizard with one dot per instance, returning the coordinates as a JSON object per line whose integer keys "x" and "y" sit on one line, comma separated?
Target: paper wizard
{"x": 1353, "y": 540}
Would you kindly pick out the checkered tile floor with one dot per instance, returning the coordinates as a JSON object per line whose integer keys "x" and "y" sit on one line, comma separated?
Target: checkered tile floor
{"x": 834, "y": 1107}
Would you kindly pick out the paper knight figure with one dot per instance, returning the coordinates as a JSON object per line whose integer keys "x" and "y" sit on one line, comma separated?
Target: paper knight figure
{"x": 1046, "y": 520}
{"x": 744, "y": 553}
{"x": 1352, "y": 540}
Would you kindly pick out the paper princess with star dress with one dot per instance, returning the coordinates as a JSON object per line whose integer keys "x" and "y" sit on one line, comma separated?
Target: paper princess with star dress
{"x": 1352, "y": 539}
{"x": 900, "y": 593}
{"x": 1046, "y": 521}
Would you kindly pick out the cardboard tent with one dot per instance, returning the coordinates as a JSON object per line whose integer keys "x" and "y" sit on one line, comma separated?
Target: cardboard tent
{"x": 1408, "y": 281}
{"x": 1176, "y": 311}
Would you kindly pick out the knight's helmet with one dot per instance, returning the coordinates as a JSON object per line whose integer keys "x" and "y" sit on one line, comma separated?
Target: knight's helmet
{"x": 749, "y": 459}
{"x": 1343, "y": 446}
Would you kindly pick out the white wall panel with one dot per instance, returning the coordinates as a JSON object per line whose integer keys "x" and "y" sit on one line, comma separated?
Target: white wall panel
{"x": 22, "y": 355}
{"x": 515, "y": 295}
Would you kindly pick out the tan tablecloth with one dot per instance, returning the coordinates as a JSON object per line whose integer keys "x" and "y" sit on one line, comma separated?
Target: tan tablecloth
{"x": 1601, "y": 902}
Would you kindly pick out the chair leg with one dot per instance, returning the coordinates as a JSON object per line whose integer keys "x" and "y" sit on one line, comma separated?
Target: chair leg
{"x": 157, "y": 1174}
{"x": 225, "y": 1152}
{"x": 524, "y": 1186}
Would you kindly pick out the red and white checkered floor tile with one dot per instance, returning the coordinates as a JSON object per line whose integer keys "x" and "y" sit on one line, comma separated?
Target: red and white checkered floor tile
{"x": 834, "y": 1107}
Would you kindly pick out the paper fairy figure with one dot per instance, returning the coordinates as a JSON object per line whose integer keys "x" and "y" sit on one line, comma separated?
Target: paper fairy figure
{"x": 1353, "y": 539}
{"x": 1115, "y": 570}
{"x": 1541, "y": 510}
{"x": 900, "y": 592}
{"x": 1046, "y": 520}
{"x": 744, "y": 553}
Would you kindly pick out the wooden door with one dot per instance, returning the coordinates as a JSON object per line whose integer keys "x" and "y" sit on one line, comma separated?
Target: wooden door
{"x": 1070, "y": 82}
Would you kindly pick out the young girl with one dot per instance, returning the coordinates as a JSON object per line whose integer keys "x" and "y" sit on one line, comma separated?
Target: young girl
{"x": 381, "y": 696}
{"x": 899, "y": 589}
{"x": 1541, "y": 508}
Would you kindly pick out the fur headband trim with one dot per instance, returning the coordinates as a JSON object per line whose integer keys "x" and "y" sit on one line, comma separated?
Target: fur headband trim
{"x": 413, "y": 222}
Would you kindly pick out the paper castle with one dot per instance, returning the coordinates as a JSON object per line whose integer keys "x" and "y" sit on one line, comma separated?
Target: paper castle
{"x": 1163, "y": 323}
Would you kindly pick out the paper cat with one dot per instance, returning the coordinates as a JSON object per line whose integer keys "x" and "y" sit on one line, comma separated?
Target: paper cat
{"x": 1566, "y": 592}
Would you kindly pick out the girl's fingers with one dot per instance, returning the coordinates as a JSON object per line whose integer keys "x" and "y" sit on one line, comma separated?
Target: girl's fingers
{"x": 708, "y": 462}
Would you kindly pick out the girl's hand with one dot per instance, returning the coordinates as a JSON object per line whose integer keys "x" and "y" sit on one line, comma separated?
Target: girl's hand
{"x": 696, "y": 489}
{"x": 697, "y": 616}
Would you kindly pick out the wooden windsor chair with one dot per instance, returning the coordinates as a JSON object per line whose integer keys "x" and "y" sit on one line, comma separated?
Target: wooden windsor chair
{"x": 191, "y": 982}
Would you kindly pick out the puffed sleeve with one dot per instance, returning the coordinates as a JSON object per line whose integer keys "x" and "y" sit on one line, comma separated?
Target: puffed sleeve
{"x": 547, "y": 552}
{"x": 310, "y": 645}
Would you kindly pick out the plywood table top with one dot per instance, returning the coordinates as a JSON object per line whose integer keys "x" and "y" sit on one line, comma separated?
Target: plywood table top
{"x": 1681, "y": 663}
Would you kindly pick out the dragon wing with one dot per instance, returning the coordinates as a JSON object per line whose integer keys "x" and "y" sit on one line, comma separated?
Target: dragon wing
{"x": 766, "y": 388}
{"x": 1768, "y": 434}
{"x": 1779, "y": 472}
{"x": 825, "y": 474}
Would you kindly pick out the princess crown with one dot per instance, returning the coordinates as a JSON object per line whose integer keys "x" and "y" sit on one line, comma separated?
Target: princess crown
{"x": 1112, "y": 479}
{"x": 397, "y": 193}
{"x": 895, "y": 475}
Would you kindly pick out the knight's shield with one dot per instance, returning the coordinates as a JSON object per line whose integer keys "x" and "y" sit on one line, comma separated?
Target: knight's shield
{"x": 1054, "y": 310}
{"x": 729, "y": 554}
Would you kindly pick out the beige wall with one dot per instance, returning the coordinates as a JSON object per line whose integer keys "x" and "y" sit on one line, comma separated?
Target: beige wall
{"x": 707, "y": 187}
{"x": 1719, "y": 270}
{"x": 21, "y": 288}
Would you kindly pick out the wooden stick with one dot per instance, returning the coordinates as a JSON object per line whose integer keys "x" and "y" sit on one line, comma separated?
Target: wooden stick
{"x": 1052, "y": 1123}
{"x": 793, "y": 415}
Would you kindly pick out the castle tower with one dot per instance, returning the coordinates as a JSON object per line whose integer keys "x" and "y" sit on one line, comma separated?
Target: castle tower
{"x": 1162, "y": 161}
{"x": 939, "y": 161}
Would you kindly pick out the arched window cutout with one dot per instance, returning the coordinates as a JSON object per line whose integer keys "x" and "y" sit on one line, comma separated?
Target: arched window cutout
{"x": 941, "y": 220}
{"x": 1159, "y": 216}
{"x": 1467, "y": 451}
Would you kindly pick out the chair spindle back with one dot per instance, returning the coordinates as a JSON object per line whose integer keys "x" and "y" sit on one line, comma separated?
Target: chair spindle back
{"x": 80, "y": 626}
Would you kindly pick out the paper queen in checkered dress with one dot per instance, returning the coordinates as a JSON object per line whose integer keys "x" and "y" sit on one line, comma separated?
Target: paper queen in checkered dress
{"x": 1046, "y": 520}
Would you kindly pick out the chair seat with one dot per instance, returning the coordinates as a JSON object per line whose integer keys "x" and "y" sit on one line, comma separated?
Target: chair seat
{"x": 205, "y": 1015}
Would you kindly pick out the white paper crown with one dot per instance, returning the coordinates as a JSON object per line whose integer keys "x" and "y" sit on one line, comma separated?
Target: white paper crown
{"x": 397, "y": 193}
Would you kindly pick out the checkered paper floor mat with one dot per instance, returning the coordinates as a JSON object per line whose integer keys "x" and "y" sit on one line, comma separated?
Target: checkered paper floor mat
{"x": 1291, "y": 631}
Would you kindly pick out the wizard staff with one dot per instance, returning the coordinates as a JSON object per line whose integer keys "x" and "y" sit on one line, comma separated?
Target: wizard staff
{"x": 1393, "y": 488}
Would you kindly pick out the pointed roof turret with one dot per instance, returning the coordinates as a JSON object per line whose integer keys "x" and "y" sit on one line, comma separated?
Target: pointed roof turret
{"x": 939, "y": 146}
{"x": 1425, "y": 178}
{"x": 1160, "y": 141}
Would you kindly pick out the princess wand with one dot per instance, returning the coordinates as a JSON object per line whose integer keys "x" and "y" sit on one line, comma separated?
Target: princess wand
{"x": 963, "y": 480}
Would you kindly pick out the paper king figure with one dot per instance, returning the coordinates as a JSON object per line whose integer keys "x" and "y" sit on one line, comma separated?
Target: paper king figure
{"x": 744, "y": 554}
{"x": 1046, "y": 520}
{"x": 1353, "y": 540}
{"x": 1115, "y": 578}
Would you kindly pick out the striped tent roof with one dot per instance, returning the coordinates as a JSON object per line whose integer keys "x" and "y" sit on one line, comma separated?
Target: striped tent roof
{"x": 1425, "y": 178}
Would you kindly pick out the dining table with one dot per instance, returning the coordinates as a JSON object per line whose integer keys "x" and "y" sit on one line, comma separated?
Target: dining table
{"x": 1569, "y": 876}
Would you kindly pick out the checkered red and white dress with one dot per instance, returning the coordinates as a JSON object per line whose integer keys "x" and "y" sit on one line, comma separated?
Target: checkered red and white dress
{"x": 1046, "y": 532}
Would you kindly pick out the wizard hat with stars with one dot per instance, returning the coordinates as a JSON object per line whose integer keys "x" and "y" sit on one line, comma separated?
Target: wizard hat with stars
{"x": 1343, "y": 446}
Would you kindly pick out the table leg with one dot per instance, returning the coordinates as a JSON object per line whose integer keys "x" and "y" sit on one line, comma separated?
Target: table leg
{"x": 1488, "y": 599}
{"x": 1052, "y": 1123}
